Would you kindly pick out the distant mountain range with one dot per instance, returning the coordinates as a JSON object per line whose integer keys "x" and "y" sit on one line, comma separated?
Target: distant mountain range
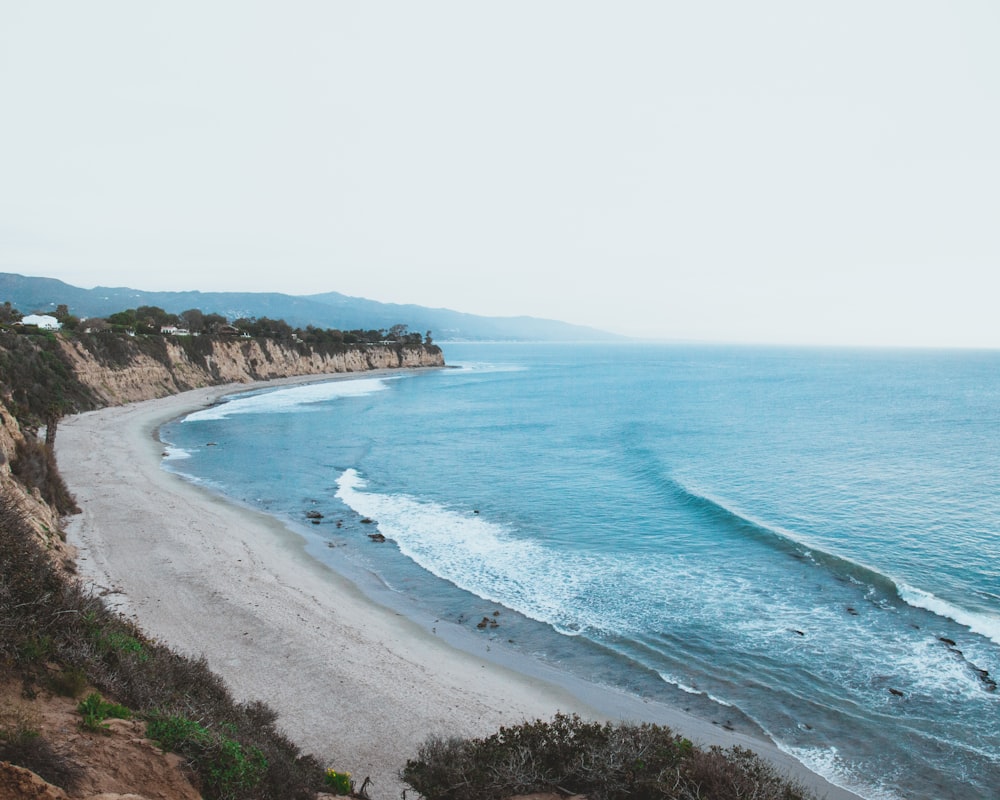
{"x": 328, "y": 310}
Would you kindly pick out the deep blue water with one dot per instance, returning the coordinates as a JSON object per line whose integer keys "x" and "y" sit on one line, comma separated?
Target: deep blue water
{"x": 808, "y": 539}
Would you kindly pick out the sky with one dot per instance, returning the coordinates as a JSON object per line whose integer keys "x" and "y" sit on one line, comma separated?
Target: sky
{"x": 783, "y": 172}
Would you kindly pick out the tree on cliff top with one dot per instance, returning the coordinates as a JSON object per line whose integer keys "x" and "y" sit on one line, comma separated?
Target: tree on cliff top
{"x": 9, "y": 314}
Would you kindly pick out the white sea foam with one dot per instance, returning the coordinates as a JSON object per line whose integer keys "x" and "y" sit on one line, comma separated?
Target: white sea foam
{"x": 934, "y": 671}
{"x": 290, "y": 400}
{"x": 480, "y": 367}
{"x": 172, "y": 453}
{"x": 826, "y": 761}
{"x": 576, "y": 592}
{"x": 485, "y": 558}
{"x": 987, "y": 625}
{"x": 673, "y": 681}
{"x": 467, "y": 550}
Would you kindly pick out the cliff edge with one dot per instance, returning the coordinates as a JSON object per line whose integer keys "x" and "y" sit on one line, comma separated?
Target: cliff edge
{"x": 128, "y": 369}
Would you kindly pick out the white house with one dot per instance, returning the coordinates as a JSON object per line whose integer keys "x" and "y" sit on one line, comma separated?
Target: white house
{"x": 42, "y": 321}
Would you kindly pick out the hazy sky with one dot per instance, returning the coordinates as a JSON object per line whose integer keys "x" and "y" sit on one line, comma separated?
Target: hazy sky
{"x": 746, "y": 171}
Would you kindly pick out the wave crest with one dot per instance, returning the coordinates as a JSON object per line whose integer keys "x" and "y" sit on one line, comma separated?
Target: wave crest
{"x": 291, "y": 400}
{"x": 789, "y": 543}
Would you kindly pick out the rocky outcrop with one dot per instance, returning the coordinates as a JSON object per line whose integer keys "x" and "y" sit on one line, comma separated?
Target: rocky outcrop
{"x": 23, "y": 784}
{"x": 118, "y": 763}
{"x": 175, "y": 365}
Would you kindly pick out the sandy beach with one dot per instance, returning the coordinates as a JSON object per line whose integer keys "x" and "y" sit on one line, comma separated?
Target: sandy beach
{"x": 355, "y": 683}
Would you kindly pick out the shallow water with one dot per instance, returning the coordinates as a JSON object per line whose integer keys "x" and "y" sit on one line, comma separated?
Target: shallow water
{"x": 805, "y": 537}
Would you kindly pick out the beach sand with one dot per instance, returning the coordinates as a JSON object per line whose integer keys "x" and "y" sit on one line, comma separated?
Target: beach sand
{"x": 355, "y": 683}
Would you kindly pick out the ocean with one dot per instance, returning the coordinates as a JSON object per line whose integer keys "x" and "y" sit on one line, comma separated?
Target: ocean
{"x": 804, "y": 542}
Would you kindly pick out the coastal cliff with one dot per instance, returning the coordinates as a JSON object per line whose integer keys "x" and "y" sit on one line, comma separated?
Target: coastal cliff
{"x": 21, "y": 486}
{"x": 129, "y": 370}
{"x": 45, "y": 377}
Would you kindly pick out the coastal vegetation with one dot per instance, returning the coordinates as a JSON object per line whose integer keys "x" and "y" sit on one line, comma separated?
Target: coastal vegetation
{"x": 568, "y": 755}
{"x": 55, "y": 637}
{"x": 155, "y": 321}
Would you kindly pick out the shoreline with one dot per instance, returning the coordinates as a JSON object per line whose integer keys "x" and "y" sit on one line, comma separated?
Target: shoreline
{"x": 354, "y": 682}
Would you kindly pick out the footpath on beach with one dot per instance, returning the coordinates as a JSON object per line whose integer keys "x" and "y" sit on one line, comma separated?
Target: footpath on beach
{"x": 356, "y": 684}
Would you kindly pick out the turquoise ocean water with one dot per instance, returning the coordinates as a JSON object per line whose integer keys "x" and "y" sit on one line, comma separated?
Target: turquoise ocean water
{"x": 806, "y": 541}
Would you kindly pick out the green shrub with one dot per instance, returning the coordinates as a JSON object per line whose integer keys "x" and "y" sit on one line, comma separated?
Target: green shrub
{"x": 339, "y": 782}
{"x": 174, "y": 733}
{"x": 95, "y": 709}
{"x": 601, "y": 760}
{"x": 118, "y": 641}
{"x": 227, "y": 768}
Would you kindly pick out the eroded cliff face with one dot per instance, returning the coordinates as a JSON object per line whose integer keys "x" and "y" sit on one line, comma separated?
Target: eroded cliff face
{"x": 42, "y": 517}
{"x": 176, "y": 366}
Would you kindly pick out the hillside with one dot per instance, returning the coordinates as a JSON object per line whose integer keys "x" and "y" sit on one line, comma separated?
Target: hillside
{"x": 327, "y": 310}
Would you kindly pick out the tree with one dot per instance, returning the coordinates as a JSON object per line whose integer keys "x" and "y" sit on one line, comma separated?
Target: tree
{"x": 212, "y": 322}
{"x": 193, "y": 320}
{"x": 123, "y": 320}
{"x": 9, "y": 314}
{"x": 149, "y": 319}
{"x": 274, "y": 328}
{"x": 67, "y": 320}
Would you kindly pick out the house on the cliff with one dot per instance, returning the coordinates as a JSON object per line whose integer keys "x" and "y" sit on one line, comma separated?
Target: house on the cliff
{"x": 43, "y": 321}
